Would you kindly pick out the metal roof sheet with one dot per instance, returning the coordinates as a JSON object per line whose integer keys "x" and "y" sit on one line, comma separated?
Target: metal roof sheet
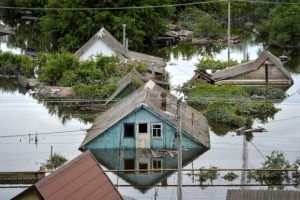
{"x": 148, "y": 96}
{"x": 81, "y": 178}
{"x": 262, "y": 195}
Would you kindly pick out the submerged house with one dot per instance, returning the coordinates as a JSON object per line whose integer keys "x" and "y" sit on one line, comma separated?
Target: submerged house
{"x": 130, "y": 83}
{"x": 267, "y": 69}
{"x": 146, "y": 120}
{"x": 145, "y": 168}
{"x": 81, "y": 178}
{"x": 104, "y": 43}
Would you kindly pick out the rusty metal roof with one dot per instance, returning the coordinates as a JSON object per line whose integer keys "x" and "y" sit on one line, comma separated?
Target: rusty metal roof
{"x": 148, "y": 96}
{"x": 251, "y": 66}
{"x": 81, "y": 178}
{"x": 126, "y": 57}
{"x": 263, "y": 195}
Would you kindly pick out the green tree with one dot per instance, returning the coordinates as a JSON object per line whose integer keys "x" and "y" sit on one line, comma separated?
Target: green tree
{"x": 55, "y": 161}
{"x": 281, "y": 28}
{"x": 72, "y": 29}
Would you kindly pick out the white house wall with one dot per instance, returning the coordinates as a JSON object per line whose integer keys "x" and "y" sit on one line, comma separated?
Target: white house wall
{"x": 99, "y": 46}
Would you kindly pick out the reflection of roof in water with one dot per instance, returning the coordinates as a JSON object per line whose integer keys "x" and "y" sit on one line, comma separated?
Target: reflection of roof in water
{"x": 109, "y": 158}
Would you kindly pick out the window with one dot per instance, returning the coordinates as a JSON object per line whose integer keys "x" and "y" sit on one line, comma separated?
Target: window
{"x": 128, "y": 130}
{"x": 129, "y": 165}
{"x": 157, "y": 130}
{"x": 157, "y": 165}
{"x": 143, "y": 128}
{"x": 144, "y": 167}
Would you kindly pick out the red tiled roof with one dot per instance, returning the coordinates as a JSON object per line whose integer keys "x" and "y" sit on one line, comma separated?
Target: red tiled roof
{"x": 81, "y": 178}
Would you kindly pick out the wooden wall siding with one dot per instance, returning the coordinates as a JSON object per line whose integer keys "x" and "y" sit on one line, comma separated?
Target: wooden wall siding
{"x": 110, "y": 139}
{"x": 110, "y": 158}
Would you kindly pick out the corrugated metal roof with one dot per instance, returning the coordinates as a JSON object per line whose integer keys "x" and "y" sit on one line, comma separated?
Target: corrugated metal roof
{"x": 81, "y": 178}
{"x": 263, "y": 195}
{"x": 148, "y": 96}
{"x": 128, "y": 57}
{"x": 251, "y": 66}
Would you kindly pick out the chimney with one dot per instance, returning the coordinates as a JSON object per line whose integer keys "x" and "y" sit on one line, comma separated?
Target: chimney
{"x": 124, "y": 42}
{"x": 163, "y": 101}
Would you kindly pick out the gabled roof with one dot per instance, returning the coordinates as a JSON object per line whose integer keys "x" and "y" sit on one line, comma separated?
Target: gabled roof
{"x": 126, "y": 57}
{"x": 81, "y": 178}
{"x": 128, "y": 79}
{"x": 148, "y": 96}
{"x": 262, "y": 194}
{"x": 251, "y": 66}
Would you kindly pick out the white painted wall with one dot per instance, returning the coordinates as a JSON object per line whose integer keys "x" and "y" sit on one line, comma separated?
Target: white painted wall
{"x": 96, "y": 48}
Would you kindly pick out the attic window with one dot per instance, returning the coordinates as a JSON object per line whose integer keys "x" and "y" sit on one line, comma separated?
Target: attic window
{"x": 128, "y": 130}
{"x": 157, "y": 130}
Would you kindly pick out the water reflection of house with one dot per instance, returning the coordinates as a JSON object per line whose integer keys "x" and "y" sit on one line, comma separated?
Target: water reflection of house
{"x": 141, "y": 121}
{"x": 103, "y": 42}
{"x": 267, "y": 69}
{"x": 142, "y": 159}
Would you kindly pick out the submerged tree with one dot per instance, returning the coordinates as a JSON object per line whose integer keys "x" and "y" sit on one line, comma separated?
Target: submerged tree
{"x": 55, "y": 161}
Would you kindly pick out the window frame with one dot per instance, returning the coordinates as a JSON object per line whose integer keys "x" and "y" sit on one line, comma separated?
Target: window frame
{"x": 126, "y": 124}
{"x": 161, "y": 165}
{"x": 161, "y": 130}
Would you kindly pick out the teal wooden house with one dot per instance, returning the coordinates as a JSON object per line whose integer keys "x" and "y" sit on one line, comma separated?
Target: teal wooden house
{"x": 143, "y": 121}
{"x": 140, "y": 160}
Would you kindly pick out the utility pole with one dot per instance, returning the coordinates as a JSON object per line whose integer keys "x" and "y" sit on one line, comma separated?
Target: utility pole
{"x": 228, "y": 30}
{"x": 179, "y": 190}
{"x": 124, "y": 36}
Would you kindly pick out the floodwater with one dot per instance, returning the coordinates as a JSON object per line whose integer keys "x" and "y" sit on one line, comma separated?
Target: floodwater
{"x": 21, "y": 115}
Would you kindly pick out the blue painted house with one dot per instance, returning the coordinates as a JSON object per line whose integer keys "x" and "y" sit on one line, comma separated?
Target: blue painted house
{"x": 140, "y": 122}
{"x": 154, "y": 161}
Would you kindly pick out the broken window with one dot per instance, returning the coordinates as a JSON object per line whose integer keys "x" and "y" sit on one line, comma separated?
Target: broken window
{"x": 143, "y": 128}
{"x": 157, "y": 130}
{"x": 128, "y": 130}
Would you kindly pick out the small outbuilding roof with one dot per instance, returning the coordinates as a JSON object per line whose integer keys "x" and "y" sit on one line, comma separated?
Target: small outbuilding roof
{"x": 149, "y": 97}
{"x": 81, "y": 178}
{"x": 262, "y": 195}
{"x": 128, "y": 79}
{"x": 54, "y": 91}
{"x": 126, "y": 57}
{"x": 251, "y": 66}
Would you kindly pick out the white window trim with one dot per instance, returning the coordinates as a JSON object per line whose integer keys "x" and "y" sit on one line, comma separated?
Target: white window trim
{"x": 161, "y": 164}
{"x": 161, "y": 131}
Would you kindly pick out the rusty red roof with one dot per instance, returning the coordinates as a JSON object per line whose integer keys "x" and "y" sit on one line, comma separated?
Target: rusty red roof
{"x": 81, "y": 178}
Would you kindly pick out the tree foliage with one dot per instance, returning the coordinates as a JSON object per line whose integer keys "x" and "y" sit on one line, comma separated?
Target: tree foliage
{"x": 55, "y": 161}
{"x": 72, "y": 29}
{"x": 207, "y": 62}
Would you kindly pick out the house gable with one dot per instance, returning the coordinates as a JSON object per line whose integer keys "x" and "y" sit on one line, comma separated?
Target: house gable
{"x": 94, "y": 48}
{"x": 115, "y": 137}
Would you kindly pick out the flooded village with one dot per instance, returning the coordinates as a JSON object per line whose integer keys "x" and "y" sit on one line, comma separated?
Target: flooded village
{"x": 147, "y": 139}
